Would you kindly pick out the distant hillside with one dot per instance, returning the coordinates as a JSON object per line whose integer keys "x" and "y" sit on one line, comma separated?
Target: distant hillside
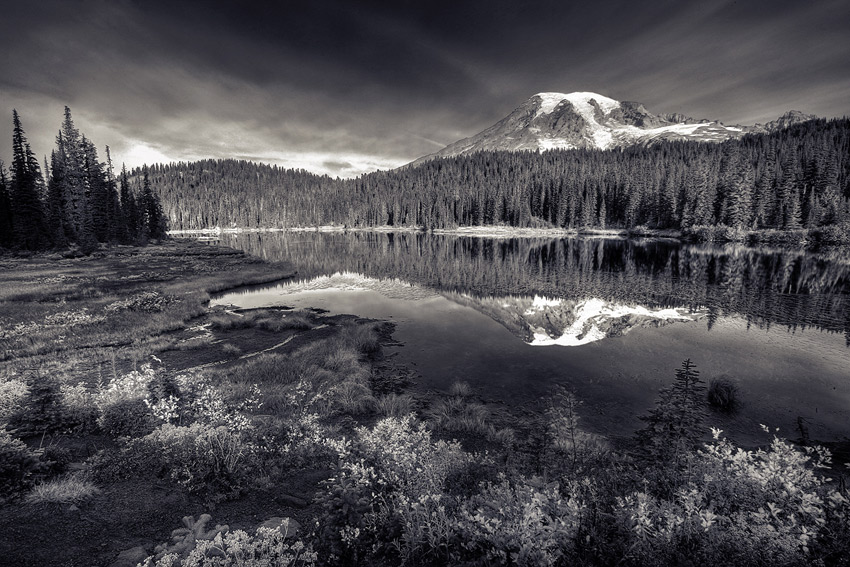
{"x": 796, "y": 176}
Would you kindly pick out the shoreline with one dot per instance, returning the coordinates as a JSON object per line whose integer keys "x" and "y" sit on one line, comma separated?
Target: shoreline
{"x": 833, "y": 236}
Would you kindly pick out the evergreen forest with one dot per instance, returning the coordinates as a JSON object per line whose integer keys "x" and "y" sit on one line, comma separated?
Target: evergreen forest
{"x": 795, "y": 178}
{"x": 75, "y": 200}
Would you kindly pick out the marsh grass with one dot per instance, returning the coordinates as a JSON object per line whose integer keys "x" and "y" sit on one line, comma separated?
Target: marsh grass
{"x": 273, "y": 320}
{"x": 352, "y": 398}
{"x": 460, "y": 390}
{"x": 335, "y": 367}
{"x": 363, "y": 338}
{"x": 395, "y": 405}
{"x": 458, "y": 415}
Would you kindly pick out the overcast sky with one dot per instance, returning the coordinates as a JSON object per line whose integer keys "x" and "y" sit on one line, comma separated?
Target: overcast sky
{"x": 345, "y": 87}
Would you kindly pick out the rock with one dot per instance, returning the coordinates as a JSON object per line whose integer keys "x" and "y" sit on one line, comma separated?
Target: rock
{"x": 292, "y": 501}
{"x": 289, "y": 530}
{"x": 130, "y": 557}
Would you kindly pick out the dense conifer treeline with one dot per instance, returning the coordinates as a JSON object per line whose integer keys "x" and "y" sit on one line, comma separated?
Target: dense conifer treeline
{"x": 79, "y": 203}
{"x": 798, "y": 177}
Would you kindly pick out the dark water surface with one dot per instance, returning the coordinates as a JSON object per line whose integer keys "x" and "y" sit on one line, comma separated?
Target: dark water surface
{"x": 610, "y": 318}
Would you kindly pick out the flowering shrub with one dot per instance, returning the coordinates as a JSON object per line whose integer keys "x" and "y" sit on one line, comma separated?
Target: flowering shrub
{"x": 527, "y": 522}
{"x": 69, "y": 318}
{"x": 202, "y": 458}
{"x": 762, "y": 507}
{"x": 388, "y": 496}
{"x": 12, "y": 394}
{"x": 130, "y": 386}
{"x": 239, "y": 549}
{"x": 408, "y": 460}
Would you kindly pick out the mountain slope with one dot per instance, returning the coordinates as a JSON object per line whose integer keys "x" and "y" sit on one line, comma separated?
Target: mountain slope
{"x": 588, "y": 120}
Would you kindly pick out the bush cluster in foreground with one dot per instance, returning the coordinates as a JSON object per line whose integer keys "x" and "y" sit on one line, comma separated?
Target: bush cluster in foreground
{"x": 403, "y": 492}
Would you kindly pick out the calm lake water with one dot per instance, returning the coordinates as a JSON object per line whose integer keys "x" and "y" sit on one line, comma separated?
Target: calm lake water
{"x": 610, "y": 318}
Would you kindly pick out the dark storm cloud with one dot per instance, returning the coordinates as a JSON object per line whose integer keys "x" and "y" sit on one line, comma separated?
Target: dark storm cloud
{"x": 343, "y": 87}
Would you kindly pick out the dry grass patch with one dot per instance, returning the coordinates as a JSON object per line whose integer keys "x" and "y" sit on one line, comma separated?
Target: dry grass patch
{"x": 70, "y": 489}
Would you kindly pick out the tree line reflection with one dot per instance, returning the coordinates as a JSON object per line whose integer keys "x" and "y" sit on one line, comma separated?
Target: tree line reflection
{"x": 792, "y": 288}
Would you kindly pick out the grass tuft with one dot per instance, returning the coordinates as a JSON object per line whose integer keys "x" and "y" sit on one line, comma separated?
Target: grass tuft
{"x": 395, "y": 405}
{"x": 460, "y": 390}
{"x": 723, "y": 393}
{"x": 71, "y": 489}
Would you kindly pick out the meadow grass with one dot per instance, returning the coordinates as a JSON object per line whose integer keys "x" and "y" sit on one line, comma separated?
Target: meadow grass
{"x": 67, "y": 316}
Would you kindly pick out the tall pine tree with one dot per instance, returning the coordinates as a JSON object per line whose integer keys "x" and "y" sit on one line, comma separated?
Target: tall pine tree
{"x": 29, "y": 228}
{"x": 6, "y": 227}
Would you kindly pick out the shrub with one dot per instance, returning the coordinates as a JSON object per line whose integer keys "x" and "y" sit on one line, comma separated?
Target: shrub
{"x": 835, "y": 234}
{"x": 762, "y": 507}
{"x": 12, "y": 395}
{"x": 130, "y": 386}
{"x": 525, "y": 522}
{"x": 19, "y": 465}
{"x": 78, "y": 406}
{"x": 718, "y": 232}
{"x": 387, "y": 497}
{"x": 144, "y": 302}
{"x": 239, "y": 549}
{"x": 210, "y": 459}
{"x": 723, "y": 393}
{"x": 127, "y": 418}
{"x": 73, "y": 488}
{"x": 41, "y": 411}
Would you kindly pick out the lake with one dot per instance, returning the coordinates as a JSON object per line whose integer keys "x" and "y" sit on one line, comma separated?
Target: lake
{"x": 609, "y": 318}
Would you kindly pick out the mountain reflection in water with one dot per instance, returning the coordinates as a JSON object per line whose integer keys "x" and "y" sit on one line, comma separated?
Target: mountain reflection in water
{"x": 794, "y": 289}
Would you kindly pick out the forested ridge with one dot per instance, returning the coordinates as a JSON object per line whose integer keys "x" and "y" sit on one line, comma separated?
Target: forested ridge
{"x": 795, "y": 178}
{"x": 75, "y": 200}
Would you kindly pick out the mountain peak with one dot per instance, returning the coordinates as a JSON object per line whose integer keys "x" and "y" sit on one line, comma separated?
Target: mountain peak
{"x": 588, "y": 120}
{"x": 549, "y": 101}
{"x": 788, "y": 119}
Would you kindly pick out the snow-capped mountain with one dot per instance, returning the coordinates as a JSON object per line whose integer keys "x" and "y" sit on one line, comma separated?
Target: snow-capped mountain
{"x": 588, "y": 120}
